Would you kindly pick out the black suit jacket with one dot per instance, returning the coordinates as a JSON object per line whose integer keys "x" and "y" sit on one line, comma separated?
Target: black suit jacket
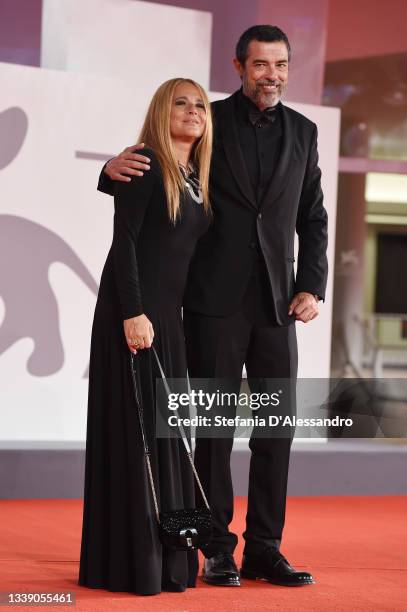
{"x": 222, "y": 264}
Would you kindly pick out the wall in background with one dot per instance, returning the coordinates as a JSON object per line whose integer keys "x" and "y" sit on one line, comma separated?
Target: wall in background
{"x": 363, "y": 28}
{"x": 20, "y": 36}
{"x": 20, "y": 31}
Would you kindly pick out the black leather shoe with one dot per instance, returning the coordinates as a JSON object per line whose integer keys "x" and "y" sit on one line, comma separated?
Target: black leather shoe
{"x": 221, "y": 570}
{"x": 270, "y": 565}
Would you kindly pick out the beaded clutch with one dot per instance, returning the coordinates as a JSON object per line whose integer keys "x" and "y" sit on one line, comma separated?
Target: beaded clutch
{"x": 186, "y": 529}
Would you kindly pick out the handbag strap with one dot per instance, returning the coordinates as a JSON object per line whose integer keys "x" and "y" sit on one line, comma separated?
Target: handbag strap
{"x": 144, "y": 437}
{"x": 182, "y": 430}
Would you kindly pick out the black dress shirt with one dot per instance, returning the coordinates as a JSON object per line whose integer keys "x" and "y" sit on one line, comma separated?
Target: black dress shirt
{"x": 260, "y": 143}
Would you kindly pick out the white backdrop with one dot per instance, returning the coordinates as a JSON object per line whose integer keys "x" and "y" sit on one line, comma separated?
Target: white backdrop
{"x": 56, "y": 230}
{"x": 126, "y": 39}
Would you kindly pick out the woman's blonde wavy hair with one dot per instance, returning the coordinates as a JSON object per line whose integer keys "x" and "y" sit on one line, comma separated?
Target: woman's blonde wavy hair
{"x": 156, "y": 134}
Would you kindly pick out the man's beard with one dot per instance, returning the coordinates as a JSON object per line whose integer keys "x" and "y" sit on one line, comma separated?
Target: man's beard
{"x": 262, "y": 98}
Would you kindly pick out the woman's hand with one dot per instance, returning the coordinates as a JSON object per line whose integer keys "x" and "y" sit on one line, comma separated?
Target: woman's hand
{"x": 139, "y": 333}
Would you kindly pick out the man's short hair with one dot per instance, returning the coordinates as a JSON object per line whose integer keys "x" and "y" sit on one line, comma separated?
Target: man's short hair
{"x": 262, "y": 33}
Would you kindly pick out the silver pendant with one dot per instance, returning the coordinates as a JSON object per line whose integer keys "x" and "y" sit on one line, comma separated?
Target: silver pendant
{"x": 198, "y": 198}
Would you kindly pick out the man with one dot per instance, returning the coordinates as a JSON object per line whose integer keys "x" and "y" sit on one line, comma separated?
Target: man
{"x": 242, "y": 299}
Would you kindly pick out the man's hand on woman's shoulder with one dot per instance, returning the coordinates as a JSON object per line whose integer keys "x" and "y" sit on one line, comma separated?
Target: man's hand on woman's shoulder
{"x": 127, "y": 163}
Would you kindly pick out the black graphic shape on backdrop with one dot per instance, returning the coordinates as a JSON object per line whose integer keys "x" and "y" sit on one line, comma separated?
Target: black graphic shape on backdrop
{"x": 13, "y": 130}
{"x": 27, "y": 250}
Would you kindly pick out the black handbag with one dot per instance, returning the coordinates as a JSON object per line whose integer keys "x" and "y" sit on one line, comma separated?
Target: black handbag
{"x": 185, "y": 528}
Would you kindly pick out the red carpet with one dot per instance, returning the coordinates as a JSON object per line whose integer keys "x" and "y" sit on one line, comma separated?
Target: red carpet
{"x": 355, "y": 547}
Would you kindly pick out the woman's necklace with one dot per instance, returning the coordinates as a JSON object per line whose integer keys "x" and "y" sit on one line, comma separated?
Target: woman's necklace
{"x": 189, "y": 169}
{"x": 191, "y": 182}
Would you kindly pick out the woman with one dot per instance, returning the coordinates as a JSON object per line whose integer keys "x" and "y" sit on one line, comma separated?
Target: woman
{"x": 157, "y": 223}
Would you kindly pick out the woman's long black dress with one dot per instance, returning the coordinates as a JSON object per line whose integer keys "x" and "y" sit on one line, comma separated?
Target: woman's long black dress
{"x": 145, "y": 272}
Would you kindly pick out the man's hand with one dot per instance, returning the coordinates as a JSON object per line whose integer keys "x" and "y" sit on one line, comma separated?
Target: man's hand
{"x": 139, "y": 333}
{"x": 127, "y": 162}
{"x": 304, "y": 306}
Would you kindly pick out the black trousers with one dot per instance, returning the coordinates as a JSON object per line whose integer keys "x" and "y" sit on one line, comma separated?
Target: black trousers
{"x": 218, "y": 347}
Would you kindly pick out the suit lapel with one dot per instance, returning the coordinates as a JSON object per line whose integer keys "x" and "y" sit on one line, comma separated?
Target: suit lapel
{"x": 234, "y": 155}
{"x": 282, "y": 171}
